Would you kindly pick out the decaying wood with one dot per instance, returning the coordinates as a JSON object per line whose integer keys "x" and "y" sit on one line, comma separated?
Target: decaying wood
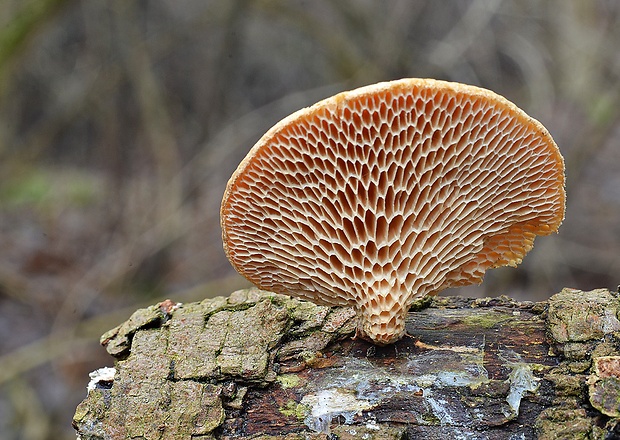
{"x": 259, "y": 365}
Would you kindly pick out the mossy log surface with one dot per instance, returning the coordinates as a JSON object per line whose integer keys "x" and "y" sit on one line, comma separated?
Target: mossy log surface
{"x": 264, "y": 366}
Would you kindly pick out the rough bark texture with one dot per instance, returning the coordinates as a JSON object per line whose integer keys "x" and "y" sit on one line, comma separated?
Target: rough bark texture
{"x": 259, "y": 365}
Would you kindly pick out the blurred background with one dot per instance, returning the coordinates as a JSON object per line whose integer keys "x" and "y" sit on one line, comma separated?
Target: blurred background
{"x": 121, "y": 121}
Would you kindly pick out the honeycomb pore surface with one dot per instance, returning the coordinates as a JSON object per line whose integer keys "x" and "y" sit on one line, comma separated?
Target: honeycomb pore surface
{"x": 384, "y": 194}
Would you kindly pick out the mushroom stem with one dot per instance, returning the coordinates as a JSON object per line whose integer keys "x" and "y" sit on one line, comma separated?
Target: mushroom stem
{"x": 382, "y": 317}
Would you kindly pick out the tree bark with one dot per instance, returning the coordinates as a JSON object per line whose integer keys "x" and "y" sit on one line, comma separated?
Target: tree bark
{"x": 260, "y": 365}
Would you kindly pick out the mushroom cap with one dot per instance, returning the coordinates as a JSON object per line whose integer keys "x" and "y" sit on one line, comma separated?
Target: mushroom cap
{"x": 384, "y": 194}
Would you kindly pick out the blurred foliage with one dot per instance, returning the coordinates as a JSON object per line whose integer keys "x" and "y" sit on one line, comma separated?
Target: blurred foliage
{"x": 121, "y": 121}
{"x": 47, "y": 187}
{"x": 23, "y": 23}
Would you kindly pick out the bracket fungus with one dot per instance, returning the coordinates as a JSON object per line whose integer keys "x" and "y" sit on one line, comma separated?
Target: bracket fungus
{"x": 384, "y": 194}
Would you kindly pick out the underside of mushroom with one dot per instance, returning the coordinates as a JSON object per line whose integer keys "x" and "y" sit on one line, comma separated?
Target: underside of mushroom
{"x": 381, "y": 195}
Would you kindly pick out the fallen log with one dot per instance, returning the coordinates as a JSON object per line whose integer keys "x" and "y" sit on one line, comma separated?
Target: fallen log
{"x": 264, "y": 366}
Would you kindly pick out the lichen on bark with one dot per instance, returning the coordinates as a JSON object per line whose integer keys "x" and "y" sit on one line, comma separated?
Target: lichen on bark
{"x": 173, "y": 364}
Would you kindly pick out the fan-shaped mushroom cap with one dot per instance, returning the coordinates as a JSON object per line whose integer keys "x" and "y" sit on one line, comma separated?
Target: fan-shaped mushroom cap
{"x": 381, "y": 195}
